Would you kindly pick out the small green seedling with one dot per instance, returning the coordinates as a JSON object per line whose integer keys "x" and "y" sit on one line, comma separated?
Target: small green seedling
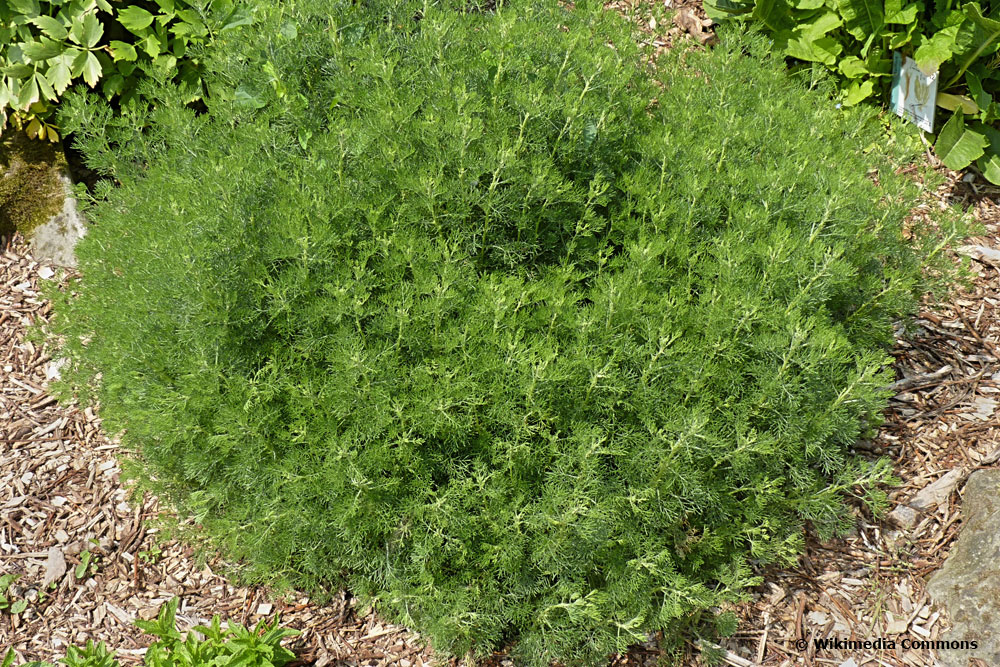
{"x": 151, "y": 556}
{"x": 87, "y": 566}
{"x": 5, "y": 581}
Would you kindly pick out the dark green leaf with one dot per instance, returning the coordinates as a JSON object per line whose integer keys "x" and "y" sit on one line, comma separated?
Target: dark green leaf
{"x": 775, "y": 14}
{"x": 18, "y": 71}
{"x": 862, "y": 18}
{"x": 51, "y": 27}
{"x": 43, "y": 50}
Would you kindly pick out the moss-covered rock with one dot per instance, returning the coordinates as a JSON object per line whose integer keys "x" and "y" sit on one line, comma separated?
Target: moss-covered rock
{"x": 32, "y": 182}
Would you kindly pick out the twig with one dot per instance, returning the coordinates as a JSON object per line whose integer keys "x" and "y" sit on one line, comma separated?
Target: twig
{"x": 900, "y": 386}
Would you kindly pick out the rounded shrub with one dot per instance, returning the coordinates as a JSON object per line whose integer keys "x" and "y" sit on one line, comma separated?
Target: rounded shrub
{"x": 464, "y": 309}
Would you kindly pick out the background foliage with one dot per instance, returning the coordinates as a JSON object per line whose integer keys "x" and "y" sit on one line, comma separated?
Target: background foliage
{"x": 48, "y": 45}
{"x": 459, "y": 308}
{"x": 855, "y": 39}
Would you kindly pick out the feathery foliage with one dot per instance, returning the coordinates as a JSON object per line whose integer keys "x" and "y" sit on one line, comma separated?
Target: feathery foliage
{"x": 460, "y": 309}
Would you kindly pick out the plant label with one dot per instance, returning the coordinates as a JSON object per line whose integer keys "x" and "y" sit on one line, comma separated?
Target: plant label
{"x": 913, "y": 92}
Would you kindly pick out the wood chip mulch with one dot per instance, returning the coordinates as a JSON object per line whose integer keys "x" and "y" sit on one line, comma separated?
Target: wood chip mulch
{"x": 62, "y": 502}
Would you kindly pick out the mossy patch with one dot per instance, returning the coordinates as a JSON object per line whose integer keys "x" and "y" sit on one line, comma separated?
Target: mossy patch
{"x": 31, "y": 191}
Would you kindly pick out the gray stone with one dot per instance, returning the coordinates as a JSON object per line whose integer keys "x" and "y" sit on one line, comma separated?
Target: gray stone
{"x": 904, "y": 516}
{"x": 967, "y": 587}
{"x": 55, "y": 239}
{"x": 36, "y": 197}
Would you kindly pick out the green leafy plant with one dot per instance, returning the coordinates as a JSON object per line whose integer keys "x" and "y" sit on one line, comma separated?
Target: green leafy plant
{"x": 87, "y": 566}
{"x": 463, "y": 310}
{"x": 13, "y": 606}
{"x": 47, "y": 45}
{"x": 151, "y": 556}
{"x": 234, "y": 644}
{"x": 855, "y": 39}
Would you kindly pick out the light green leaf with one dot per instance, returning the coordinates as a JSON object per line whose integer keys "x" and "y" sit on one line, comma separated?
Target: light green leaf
{"x": 245, "y": 98}
{"x": 954, "y": 102}
{"x": 899, "y": 39}
{"x": 936, "y": 50}
{"x": 122, "y": 51}
{"x": 820, "y": 26}
{"x": 858, "y": 91}
{"x": 51, "y": 27}
{"x": 6, "y": 580}
{"x": 59, "y": 77}
{"x": 28, "y": 94}
{"x": 165, "y": 62}
{"x": 152, "y": 46}
{"x": 45, "y": 87}
{"x": 135, "y": 19}
{"x": 92, "y": 70}
{"x": 81, "y": 569}
{"x": 853, "y": 67}
{"x": 239, "y": 16}
{"x": 989, "y": 164}
{"x": 896, "y": 13}
{"x": 92, "y": 30}
{"x": 29, "y": 8}
{"x": 823, "y": 50}
{"x": 862, "y": 18}
{"x": 19, "y": 607}
{"x": 958, "y": 146}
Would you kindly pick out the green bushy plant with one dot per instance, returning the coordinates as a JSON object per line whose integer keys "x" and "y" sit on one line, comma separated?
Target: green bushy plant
{"x": 855, "y": 40}
{"x": 47, "y": 45}
{"x": 459, "y": 308}
{"x": 204, "y": 646}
